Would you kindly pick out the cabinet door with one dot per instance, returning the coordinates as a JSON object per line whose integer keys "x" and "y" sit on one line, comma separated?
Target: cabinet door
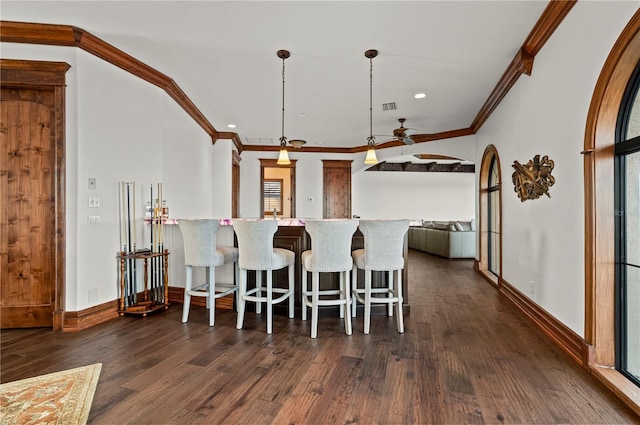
{"x": 337, "y": 189}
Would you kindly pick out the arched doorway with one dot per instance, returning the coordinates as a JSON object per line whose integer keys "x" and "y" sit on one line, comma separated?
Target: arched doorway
{"x": 601, "y": 296}
{"x": 490, "y": 226}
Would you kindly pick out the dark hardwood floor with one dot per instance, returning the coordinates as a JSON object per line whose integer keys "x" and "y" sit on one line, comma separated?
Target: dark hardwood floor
{"x": 466, "y": 356}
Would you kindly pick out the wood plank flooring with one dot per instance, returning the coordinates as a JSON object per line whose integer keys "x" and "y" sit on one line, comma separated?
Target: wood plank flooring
{"x": 466, "y": 357}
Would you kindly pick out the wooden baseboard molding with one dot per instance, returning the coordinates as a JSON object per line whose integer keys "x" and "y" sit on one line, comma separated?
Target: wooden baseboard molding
{"x": 78, "y": 320}
{"x": 565, "y": 338}
{"x": 176, "y": 295}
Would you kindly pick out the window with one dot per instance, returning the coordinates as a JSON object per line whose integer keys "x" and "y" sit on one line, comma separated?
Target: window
{"x": 627, "y": 232}
{"x": 493, "y": 219}
{"x": 272, "y": 190}
{"x": 490, "y": 255}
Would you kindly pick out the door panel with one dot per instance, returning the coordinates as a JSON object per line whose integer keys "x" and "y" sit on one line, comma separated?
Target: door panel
{"x": 337, "y": 189}
{"x": 27, "y": 284}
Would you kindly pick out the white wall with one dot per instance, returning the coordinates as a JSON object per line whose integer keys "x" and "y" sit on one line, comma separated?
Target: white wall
{"x": 545, "y": 113}
{"x": 416, "y": 195}
{"x": 432, "y": 196}
{"x": 120, "y": 128}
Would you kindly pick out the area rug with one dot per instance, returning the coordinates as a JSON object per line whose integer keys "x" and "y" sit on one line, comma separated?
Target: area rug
{"x": 61, "y": 398}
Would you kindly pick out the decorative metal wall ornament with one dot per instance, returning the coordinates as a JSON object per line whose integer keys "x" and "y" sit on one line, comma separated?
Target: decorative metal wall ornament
{"x": 533, "y": 179}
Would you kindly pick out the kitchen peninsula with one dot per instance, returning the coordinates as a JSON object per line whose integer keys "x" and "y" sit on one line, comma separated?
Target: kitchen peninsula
{"x": 291, "y": 235}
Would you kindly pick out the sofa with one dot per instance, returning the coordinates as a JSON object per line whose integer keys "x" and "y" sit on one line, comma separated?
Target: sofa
{"x": 450, "y": 239}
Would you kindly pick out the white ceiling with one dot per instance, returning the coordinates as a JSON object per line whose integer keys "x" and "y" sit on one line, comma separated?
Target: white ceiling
{"x": 222, "y": 54}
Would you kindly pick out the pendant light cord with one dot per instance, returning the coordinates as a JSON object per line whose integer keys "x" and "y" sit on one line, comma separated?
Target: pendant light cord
{"x": 370, "y": 139}
{"x": 283, "y": 139}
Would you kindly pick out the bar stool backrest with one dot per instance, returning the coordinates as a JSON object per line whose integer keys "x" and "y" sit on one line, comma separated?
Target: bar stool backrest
{"x": 255, "y": 243}
{"x": 331, "y": 244}
{"x": 199, "y": 238}
{"x": 384, "y": 243}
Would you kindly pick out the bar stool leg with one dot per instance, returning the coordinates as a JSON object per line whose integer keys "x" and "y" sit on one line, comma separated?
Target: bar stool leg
{"x": 346, "y": 295}
{"x": 242, "y": 302}
{"x": 367, "y": 300}
{"x": 187, "y": 297}
{"x": 292, "y": 310}
{"x": 315, "y": 296}
{"x": 269, "y": 301}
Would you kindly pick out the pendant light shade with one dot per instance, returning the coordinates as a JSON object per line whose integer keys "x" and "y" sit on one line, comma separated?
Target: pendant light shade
{"x": 371, "y": 152}
{"x": 283, "y": 157}
{"x": 371, "y": 156}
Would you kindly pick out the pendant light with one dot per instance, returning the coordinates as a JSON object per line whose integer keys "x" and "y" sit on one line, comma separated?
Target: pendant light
{"x": 371, "y": 152}
{"x": 283, "y": 157}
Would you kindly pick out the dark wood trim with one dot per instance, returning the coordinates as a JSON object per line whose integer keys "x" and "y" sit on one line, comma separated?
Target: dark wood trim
{"x": 549, "y": 21}
{"x": 336, "y": 163}
{"x": 64, "y": 35}
{"x": 79, "y": 320}
{"x": 35, "y": 74}
{"x": 423, "y": 138}
{"x": 522, "y": 63}
{"x": 316, "y": 149}
{"x": 233, "y": 137}
{"x": 565, "y": 338}
{"x": 235, "y": 184}
{"x": 31, "y": 33}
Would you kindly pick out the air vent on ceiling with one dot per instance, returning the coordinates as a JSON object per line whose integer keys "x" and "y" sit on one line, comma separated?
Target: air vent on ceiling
{"x": 391, "y": 106}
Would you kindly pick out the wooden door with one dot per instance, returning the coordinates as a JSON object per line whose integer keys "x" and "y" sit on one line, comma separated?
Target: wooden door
{"x": 32, "y": 207}
{"x": 337, "y": 189}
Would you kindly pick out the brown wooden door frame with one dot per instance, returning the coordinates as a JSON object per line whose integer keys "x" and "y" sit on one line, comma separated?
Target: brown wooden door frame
{"x": 272, "y": 163}
{"x": 39, "y": 75}
{"x": 235, "y": 184}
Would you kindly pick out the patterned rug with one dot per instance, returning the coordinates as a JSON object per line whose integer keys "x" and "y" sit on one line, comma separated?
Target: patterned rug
{"x": 57, "y": 398}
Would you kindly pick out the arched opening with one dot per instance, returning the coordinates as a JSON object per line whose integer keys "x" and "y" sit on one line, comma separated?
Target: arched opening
{"x": 490, "y": 226}
{"x": 602, "y": 299}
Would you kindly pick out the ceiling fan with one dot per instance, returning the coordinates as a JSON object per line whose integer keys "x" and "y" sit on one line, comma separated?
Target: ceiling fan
{"x": 403, "y": 134}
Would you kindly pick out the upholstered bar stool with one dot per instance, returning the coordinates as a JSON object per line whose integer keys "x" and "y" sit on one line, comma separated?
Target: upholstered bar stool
{"x": 200, "y": 250}
{"x": 256, "y": 252}
{"x": 383, "y": 251}
{"x": 330, "y": 252}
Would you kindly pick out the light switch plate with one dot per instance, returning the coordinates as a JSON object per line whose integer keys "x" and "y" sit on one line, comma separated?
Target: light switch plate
{"x": 92, "y": 183}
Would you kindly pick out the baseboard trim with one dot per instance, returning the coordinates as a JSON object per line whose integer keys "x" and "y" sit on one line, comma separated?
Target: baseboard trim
{"x": 565, "y": 338}
{"x": 78, "y": 320}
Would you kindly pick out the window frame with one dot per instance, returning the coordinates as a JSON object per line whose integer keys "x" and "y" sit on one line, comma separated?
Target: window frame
{"x": 265, "y": 195}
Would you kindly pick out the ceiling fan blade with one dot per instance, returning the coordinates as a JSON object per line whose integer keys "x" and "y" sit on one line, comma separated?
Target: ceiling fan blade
{"x": 408, "y": 140}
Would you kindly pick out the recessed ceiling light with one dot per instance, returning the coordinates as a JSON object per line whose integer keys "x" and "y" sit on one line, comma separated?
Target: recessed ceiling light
{"x": 231, "y": 125}
{"x": 420, "y": 95}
